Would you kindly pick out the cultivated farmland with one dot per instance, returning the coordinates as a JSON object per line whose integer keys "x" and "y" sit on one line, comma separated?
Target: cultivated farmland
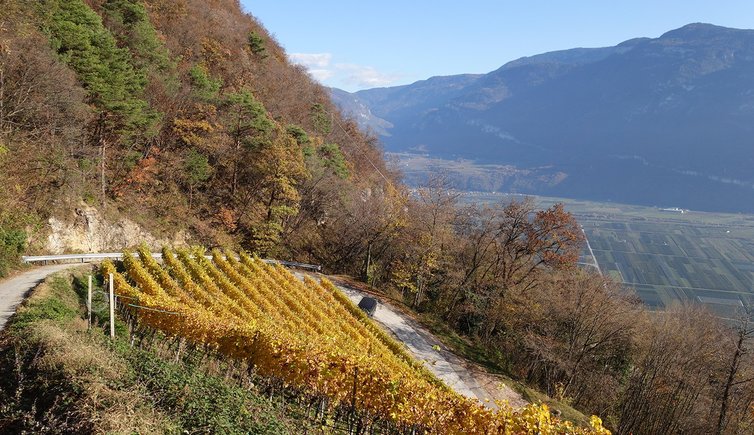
{"x": 665, "y": 254}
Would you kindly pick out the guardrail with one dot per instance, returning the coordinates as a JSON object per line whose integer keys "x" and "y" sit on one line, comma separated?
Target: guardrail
{"x": 94, "y": 258}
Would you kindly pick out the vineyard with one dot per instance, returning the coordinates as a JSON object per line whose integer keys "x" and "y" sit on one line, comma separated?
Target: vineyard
{"x": 308, "y": 335}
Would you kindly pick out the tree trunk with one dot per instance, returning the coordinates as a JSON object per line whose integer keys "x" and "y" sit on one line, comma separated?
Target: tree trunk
{"x": 418, "y": 295}
{"x": 369, "y": 260}
{"x": 729, "y": 382}
{"x": 234, "y": 182}
{"x": 103, "y": 182}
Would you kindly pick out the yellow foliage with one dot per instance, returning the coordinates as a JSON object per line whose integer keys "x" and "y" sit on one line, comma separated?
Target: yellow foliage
{"x": 310, "y": 335}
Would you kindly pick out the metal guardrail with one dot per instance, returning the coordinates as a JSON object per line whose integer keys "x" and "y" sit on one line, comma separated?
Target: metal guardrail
{"x": 94, "y": 258}
{"x": 79, "y": 258}
{"x": 314, "y": 267}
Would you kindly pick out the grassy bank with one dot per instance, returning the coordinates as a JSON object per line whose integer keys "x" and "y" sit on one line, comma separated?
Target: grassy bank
{"x": 56, "y": 375}
{"x": 494, "y": 364}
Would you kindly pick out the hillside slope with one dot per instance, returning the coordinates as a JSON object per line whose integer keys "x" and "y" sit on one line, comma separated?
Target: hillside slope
{"x": 183, "y": 119}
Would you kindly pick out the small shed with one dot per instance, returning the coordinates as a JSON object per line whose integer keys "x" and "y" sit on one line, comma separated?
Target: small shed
{"x": 368, "y": 305}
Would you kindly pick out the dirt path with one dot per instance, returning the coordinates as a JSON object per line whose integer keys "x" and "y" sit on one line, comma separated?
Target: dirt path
{"x": 455, "y": 372}
{"x": 14, "y": 289}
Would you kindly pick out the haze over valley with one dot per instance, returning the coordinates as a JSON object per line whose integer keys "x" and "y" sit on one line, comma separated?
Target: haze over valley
{"x": 664, "y": 121}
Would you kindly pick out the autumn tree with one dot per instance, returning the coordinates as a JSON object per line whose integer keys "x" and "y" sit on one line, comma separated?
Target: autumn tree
{"x": 572, "y": 335}
{"x": 197, "y": 171}
{"x": 668, "y": 386}
{"x": 275, "y": 168}
{"x": 735, "y": 392}
{"x": 425, "y": 252}
{"x": 505, "y": 247}
{"x": 248, "y": 126}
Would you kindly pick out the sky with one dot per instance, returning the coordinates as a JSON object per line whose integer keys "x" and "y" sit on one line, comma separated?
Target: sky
{"x": 364, "y": 44}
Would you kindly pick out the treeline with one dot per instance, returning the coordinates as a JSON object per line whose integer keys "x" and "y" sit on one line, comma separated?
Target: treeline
{"x": 505, "y": 277}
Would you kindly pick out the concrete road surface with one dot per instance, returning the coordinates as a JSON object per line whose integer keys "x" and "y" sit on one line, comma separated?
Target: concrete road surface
{"x": 424, "y": 348}
{"x": 13, "y": 290}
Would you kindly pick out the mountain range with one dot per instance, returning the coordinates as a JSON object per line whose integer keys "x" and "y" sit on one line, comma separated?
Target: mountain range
{"x": 665, "y": 121}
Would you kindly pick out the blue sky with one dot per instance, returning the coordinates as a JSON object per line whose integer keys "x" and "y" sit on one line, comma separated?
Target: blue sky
{"x": 364, "y": 44}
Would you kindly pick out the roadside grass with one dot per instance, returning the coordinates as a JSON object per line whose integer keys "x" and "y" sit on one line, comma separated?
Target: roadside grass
{"x": 566, "y": 411}
{"x": 56, "y": 375}
{"x": 462, "y": 346}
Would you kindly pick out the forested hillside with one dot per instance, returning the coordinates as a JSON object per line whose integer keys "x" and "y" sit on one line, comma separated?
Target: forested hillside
{"x": 182, "y": 115}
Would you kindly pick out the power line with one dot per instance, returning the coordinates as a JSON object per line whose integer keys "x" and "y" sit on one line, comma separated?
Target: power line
{"x": 362, "y": 153}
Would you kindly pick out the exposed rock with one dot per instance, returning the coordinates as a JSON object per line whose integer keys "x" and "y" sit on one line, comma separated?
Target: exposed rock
{"x": 90, "y": 232}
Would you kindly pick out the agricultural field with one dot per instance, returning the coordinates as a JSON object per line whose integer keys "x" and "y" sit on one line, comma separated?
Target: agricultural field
{"x": 667, "y": 255}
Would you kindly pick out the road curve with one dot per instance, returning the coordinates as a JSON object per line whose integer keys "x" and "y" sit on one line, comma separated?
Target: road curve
{"x": 14, "y": 289}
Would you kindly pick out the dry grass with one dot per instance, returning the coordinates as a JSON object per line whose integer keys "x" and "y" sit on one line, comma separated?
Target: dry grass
{"x": 65, "y": 354}
{"x": 104, "y": 402}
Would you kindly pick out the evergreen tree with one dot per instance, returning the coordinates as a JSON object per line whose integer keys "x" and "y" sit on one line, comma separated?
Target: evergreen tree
{"x": 115, "y": 88}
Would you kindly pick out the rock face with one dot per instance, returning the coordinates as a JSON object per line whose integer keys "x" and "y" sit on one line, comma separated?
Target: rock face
{"x": 675, "y": 112}
{"x": 90, "y": 232}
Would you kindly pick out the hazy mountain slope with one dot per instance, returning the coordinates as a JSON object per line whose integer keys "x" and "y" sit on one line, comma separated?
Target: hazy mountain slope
{"x": 358, "y": 109}
{"x": 674, "y": 111}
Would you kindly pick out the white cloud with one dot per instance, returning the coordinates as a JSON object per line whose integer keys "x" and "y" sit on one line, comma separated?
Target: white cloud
{"x": 321, "y": 74}
{"x": 343, "y": 75}
{"x": 311, "y": 60}
{"x": 365, "y": 76}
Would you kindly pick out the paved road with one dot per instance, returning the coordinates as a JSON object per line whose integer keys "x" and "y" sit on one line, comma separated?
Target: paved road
{"x": 14, "y": 289}
{"x": 424, "y": 347}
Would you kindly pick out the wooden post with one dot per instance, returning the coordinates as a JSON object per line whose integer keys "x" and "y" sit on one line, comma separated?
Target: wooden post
{"x": 369, "y": 260}
{"x": 353, "y": 399}
{"x": 112, "y": 307}
{"x": 89, "y": 303}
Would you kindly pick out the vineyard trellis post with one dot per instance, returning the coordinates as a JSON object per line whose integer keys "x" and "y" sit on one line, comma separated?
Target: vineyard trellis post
{"x": 89, "y": 304}
{"x": 112, "y": 306}
{"x": 353, "y": 420}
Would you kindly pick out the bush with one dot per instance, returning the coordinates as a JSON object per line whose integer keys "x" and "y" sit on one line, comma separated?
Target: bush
{"x": 257, "y": 45}
{"x": 12, "y": 245}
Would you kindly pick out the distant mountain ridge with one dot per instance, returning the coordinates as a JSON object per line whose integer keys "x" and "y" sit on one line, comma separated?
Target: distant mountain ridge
{"x": 654, "y": 121}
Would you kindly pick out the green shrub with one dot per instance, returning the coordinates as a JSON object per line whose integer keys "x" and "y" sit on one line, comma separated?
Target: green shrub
{"x": 257, "y": 45}
{"x": 204, "y": 85}
{"x": 12, "y": 245}
{"x": 298, "y": 133}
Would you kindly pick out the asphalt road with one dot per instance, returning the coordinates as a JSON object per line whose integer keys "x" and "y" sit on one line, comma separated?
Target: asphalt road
{"x": 14, "y": 289}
